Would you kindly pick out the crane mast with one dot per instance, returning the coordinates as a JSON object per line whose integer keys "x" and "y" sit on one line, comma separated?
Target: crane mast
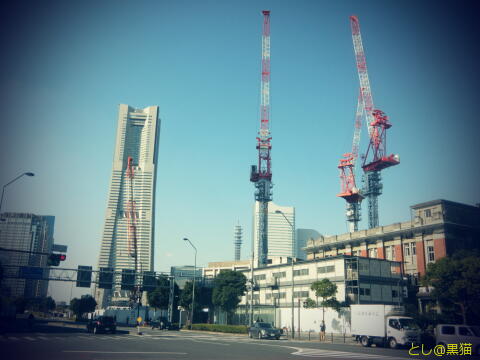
{"x": 377, "y": 124}
{"x": 132, "y": 227}
{"x": 261, "y": 174}
{"x": 347, "y": 166}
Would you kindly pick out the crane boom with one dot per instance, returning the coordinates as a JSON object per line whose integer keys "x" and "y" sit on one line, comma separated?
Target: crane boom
{"x": 377, "y": 124}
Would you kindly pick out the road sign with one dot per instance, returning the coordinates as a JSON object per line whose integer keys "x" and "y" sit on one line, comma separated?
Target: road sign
{"x": 105, "y": 278}
{"x": 84, "y": 276}
{"x": 149, "y": 282}
{"x": 30, "y": 272}
{"x": 128, "y": 279}
{"x": 139, "y": 319}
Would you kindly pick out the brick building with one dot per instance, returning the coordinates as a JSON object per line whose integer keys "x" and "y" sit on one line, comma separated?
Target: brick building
{"x": 437, "y": 228}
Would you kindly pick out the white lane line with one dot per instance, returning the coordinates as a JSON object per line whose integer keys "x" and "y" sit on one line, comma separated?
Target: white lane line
{"x": 13, "y": 338}
{"x": 210, "y": 342}
{"x": 43, "y": 337}
{"x": 29, "y": 338}
{"x": 124, "y": 352}
{"x": 326, "y": 353}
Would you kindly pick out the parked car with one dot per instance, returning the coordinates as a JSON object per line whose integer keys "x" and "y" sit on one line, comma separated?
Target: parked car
{"x": 456, "y": 334}
{"x": 102, "y": 324}
{"x": 261, "y": 330}
{"x": 161, "y": 324}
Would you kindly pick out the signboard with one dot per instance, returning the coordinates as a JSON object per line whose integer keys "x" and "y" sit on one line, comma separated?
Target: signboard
{"x": 30, "y": 272}
{"x": 59, "y": 248}
{"x": 128, "y": 279}
{"x": 84, "y": 276}
{"x": 149, "y": 282}
{"x": 105, "y": 278}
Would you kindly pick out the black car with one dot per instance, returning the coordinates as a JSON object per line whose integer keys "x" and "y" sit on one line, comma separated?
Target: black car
{"x": 161, "y": 324}
{"x": 102, "y": 324}
{"x": 261, "y": 330}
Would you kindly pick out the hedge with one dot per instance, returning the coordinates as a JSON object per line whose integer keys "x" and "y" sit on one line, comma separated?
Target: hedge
{"x": 235, "y": 329}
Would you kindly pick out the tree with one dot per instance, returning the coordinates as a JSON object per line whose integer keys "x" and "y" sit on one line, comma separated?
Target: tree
{"x": 83, "y": 305}
{"x": 159, "y": 297}
{"x": 326, "y": 290}
{"x": 203, "y": 299}
{"x": 309, "y": 304}
{"x": 228, "y": 287}
{"x": 456, "y": 281}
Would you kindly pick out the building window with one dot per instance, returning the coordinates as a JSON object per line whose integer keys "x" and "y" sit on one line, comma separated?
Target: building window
{"x": 413, "y": 247}
{"x": 356, "y": 252}
{"x": 326, "y": 269}
{"x": 390, "y": 252}
{"x": 394, "y": 293}
{"x": 428, "y": 213}
{"x": 406, "y": 249}
{"x": 364, "y": 291}
{"x": 279, "y": 274}
{"x": 372, "y": 253}
{"x": 260, "y": 277}
{"x": 300, "y": 272}
{"x": 430, "y": 253}
{"x": 300, "y": 294}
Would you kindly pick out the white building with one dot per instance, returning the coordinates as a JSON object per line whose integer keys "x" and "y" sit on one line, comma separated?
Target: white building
{"x": 360, "y": 280}
{"x": 138, "y": 136}
{"x": 281, "y": 231}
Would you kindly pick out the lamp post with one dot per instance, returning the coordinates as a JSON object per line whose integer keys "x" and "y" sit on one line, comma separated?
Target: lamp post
{"x": 4, "y": 186}
{"x": 293, "y": 276}
{"x": 194, "y": 279}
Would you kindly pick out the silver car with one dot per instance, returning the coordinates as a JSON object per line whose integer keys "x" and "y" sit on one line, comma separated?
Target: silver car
{"x": 263, "y": 330}
{"x": 457, "y": 334}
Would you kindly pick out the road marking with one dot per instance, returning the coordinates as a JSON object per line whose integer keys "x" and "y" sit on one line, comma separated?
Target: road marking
{"x": 124, "y": 352}
{"x": 29, "y": 338}
{"x": 43, "y": 338}
{"x": 318, "y": 353}
{"x": 213, "y": 342}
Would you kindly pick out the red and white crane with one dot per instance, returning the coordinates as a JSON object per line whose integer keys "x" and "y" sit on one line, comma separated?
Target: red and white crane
{"x": 349, "y": 190}
{"x": 261, "y": 174}
{"x": 377, "y": 123}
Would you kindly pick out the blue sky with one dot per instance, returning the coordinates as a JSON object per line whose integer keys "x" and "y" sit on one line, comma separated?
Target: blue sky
{"x": 66, "y": 65}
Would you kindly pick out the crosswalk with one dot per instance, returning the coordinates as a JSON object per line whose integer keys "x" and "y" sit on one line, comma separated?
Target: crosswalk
{"x": 321, "y": 353}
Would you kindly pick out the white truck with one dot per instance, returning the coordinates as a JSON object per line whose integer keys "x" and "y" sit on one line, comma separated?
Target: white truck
{"x": 383, "y": 325}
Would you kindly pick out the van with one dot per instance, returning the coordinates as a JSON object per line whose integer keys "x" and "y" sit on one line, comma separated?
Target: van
{"x": 457, "y": 334}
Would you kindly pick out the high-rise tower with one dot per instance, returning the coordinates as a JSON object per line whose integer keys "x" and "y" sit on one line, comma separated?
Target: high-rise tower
{"x": 136, "y": 151}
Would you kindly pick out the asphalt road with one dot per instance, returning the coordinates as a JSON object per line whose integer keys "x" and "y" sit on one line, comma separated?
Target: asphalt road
{"x": 54, "y": 342}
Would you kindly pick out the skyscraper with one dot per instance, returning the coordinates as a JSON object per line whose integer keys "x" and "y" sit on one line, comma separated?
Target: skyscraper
{"x": 130, "y": 210}
{"x": 32, "y": 234}
{"x": 281, "y": 235}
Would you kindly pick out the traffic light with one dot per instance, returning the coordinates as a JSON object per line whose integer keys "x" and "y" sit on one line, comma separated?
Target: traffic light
{"x": 54, "y": 259}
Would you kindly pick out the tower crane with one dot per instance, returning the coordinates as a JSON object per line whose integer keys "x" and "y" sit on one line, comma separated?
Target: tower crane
{"x": 131, "y": 214}
{"x": 347, "y": 166}
{"x": 377, "y": 123}
{"x": 261, "y": 174}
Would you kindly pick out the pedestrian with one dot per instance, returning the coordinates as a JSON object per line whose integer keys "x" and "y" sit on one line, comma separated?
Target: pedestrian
{"x": 322, "y": 331}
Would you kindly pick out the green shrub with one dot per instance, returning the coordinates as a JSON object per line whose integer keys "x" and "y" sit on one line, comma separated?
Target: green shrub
{"x": 234, "y": 329}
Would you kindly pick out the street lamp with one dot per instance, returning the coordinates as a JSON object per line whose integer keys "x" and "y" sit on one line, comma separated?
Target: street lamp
{"x": 194, "y": 275}
{"x": 4, "y": 186}
{"x": 293, "y": 277}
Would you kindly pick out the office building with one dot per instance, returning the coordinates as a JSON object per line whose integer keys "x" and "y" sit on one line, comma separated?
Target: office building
{"x": 302, "y": 236}
{"x": 182, "y": 274}
{"x": 131, "y": 200}
{"x": 30, "y": 234}
{"x": 280, "y": 230}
